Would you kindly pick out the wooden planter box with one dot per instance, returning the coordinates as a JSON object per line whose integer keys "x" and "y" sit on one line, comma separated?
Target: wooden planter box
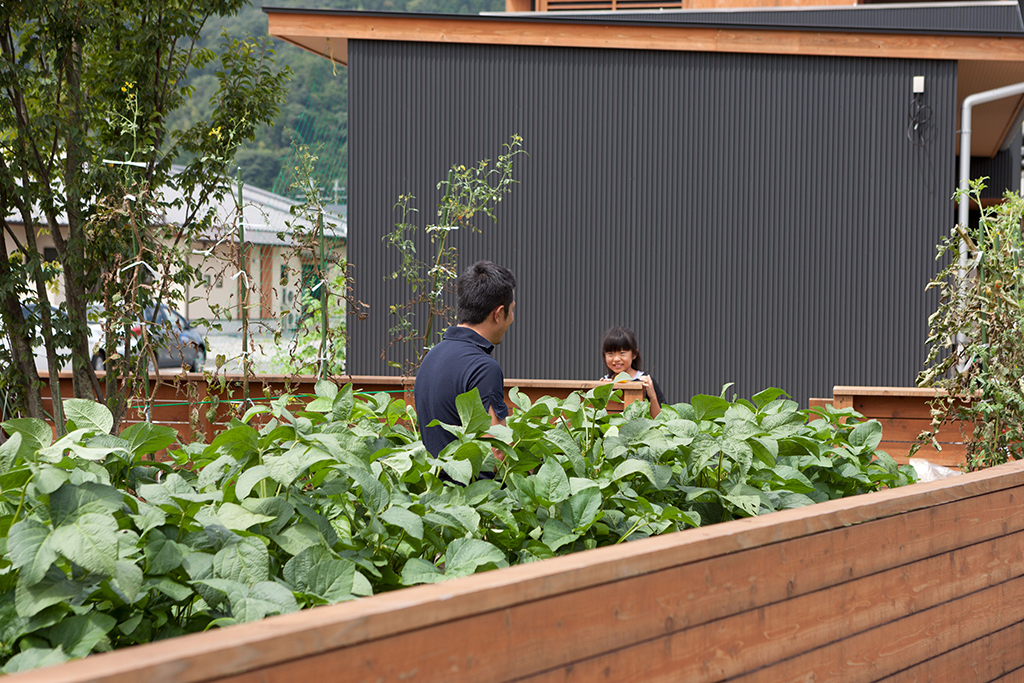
{"x": 904, "y": 413}
{"x": 920, "y": 583}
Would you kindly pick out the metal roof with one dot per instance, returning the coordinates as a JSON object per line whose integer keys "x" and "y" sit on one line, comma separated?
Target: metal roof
{"x": 265, "y": 214}
{"x": 999, "y": 17}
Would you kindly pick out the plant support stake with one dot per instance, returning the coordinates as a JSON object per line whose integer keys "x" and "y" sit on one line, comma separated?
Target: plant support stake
{"x": 243, "y": 297}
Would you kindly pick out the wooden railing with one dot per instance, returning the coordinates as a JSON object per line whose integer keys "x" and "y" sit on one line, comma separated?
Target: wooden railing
{"x": 920, "y": 583}
{"x": 188, "y": 401}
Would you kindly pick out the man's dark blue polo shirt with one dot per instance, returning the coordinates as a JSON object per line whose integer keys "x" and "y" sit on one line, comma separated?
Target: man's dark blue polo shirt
{"x": 459, "y": 363}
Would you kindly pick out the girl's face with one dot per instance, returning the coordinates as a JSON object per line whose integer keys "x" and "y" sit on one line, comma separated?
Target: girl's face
{"x": 619, "y": 361}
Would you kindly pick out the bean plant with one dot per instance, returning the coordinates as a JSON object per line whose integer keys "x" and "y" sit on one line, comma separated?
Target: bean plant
{"x": 294, "y": 505}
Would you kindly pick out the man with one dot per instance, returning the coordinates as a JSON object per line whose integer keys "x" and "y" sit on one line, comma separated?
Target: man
{"x": 485, "y": 308}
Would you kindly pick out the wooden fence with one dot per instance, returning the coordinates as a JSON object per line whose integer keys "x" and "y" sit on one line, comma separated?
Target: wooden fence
{"x": 923, "y": 583}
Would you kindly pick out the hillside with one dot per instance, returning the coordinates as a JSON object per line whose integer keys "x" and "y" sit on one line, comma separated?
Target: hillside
{"x": 317, "y": 105}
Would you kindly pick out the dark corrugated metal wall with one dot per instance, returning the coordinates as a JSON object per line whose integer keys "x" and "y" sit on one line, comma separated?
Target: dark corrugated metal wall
{"x": 761, "y": 220}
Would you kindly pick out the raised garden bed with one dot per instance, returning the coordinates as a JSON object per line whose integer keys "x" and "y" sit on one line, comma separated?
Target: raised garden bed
{"x": 925, "y": 582}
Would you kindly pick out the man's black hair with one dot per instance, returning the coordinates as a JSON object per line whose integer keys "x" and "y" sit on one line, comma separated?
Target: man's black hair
{"x": 480, "y": 289}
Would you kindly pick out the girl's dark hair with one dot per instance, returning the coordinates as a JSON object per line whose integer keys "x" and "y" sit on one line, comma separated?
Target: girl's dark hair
{"x": 622, "y": 339}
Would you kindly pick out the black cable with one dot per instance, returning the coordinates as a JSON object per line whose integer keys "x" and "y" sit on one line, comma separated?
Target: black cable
{"x": 920, "y": 114}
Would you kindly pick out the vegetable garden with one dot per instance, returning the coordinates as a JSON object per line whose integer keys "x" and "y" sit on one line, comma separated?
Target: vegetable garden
{"x": 290, "y": 507}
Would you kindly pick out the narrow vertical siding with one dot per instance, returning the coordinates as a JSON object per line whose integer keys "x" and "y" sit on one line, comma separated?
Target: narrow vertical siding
{"x": 756, "y": 219}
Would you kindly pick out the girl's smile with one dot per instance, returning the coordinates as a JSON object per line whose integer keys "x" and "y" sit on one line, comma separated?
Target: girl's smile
{"x": 620, "y": 361}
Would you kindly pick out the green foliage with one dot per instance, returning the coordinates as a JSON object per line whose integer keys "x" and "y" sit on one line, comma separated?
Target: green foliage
{"x": 977, "y": 349}
{"x": 85, "y": 145}
{"x": 302, "y": 355}
{"x": 468, "y": 193}
{"x": 101, "y": 547}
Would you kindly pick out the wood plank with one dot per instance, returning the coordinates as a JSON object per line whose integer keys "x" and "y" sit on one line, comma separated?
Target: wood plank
{"x": 886, "y": 650}
{"x": 768, "y": 634}
{"x": 305, "y": 29}
{"x": 907, "y": 429}
{"x": 987, "y": 659}
{"x": 952, "y": 455}
{"x": 915, "y": 407}
{"x": 1012, "y": 677}
{"x": 818, "y": 403}
{"x": 944, "y": 517}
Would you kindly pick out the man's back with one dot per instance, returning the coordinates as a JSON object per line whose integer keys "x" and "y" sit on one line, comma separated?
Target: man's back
{"x": 460, "y": 363}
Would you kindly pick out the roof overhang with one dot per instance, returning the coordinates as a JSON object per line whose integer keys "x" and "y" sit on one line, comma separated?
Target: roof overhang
{"x": 986, "y": 60}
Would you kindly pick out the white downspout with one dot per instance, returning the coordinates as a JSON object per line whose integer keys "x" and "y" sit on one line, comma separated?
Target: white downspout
{"x": 965, "y": 175}
{"x": 965, "y": 149}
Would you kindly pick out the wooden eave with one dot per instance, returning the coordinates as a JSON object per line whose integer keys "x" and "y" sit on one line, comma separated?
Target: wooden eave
{"x": 987, "y": 60}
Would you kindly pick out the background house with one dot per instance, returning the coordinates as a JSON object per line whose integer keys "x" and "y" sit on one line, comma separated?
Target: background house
{"x": 756, "y": 191}
{"x": 277, "y": 272}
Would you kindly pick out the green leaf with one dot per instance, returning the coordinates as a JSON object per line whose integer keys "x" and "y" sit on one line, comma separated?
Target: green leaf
{"x": 35, "y": 658}
{"x": 71, "y": 500}
{"x": 344, "y": 402}
{"x": 465, "y": 556}
{"x": 298, "y": 537}
{"x": 459, "y": 470}
{"x": 28, "y": 543}
{"x": 9, "y": 452}
{"x": 332, "y": 580}
{"x": 766, "y": 396}
{"x": 564, "y": 443}
{"x": 149, "y": 517}
{"x": 163, "y": 555}
{"x": 127, "y": 580}
{"x": 417, "y": 571}
{"x": 90, "y": 541}
{"x": 46, "y": 479}
{"x": 708, "y": 407}
{"x": 297, "y": 570}
{"x": 582, "y": 509}
{"x": 375, "y": 496}
{"x": 89, "y": 415}
{"x": 246, "y": 561}
{"x": 285, "y": 469}
{"x": 53, "y": 589}
{"x": 78, "y": 635}
{"x": 326, "y": 389}
{"x": 171, "y": 588}
{"x": 473, "y": 415}
{"x": 35, "y": 434}
{"x": 145, "y": 438}
{"x": 248, "y": 479}
{"x": 557, "y": 534}
{"x": 552, "y": 484}
{"x": 262, "y": 599}
{"x": 405, "y": 519}
{"x": 866, "y": 436}
{"x": 215, "y": 592}
{"x": 238, "y": 518}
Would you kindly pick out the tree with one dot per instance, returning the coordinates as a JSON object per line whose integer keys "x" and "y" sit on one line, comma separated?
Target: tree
{"x": 88, "y": 86}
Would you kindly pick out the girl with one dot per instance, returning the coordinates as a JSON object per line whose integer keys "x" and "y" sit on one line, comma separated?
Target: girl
{"x": 622, "y": 354}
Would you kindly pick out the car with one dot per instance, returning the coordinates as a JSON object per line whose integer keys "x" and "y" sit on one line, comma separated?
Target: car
{"x": 176, "y": 342}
